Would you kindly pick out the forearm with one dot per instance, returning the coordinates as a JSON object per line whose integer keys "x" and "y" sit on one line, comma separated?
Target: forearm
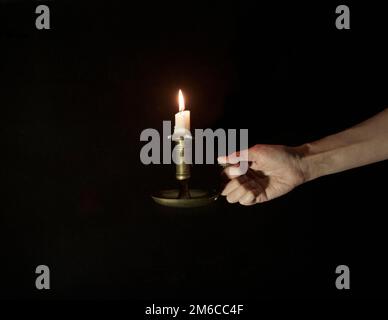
{"x": 360, "y": 145}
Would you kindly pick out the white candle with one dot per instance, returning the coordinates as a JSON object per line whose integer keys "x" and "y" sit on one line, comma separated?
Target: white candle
{"x": 182, "y": 118}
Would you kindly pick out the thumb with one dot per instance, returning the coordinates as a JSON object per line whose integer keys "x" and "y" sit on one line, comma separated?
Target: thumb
{"x": 234, "y": 157}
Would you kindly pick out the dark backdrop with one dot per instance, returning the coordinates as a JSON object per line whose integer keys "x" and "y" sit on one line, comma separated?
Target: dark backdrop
{"x": 75, "y": 98}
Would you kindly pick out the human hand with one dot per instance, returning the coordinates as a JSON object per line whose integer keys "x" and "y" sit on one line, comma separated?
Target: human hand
{"x": 274, "y": 170}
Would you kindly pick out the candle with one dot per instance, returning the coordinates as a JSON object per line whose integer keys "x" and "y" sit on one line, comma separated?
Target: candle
{"x": 182, "y": 118}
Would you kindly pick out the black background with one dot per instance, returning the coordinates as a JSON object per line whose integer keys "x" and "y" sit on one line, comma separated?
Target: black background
{"x": 74, "y": 100}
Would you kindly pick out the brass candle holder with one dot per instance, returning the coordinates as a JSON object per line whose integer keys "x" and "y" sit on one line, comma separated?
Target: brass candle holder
{"x": 184, "y": 196}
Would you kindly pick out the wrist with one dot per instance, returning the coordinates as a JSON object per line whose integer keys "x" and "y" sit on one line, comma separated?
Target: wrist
{"x": 308, "y": 162}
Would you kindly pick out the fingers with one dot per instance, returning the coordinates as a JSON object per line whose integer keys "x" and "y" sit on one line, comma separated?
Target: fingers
{"x": 234, "y": 157}
{"x": 232, "y": 185}
{"x": 235, "y": 195}
{"x": 240, "y": 160}
{"x": 236, "y": 170}
{"x": 249, "y": 198}
{"x": 246, "y": 186}
{"x": 245, "y": 191}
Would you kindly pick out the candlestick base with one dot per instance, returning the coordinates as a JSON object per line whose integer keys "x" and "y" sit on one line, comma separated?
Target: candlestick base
{"x": 172, "y": 198}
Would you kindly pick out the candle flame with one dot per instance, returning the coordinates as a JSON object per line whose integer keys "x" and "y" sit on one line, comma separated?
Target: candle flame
{"x": 181, "y": 101}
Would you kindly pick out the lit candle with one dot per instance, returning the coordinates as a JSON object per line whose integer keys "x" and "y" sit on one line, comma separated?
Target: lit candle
{"x": 182, "y": 118}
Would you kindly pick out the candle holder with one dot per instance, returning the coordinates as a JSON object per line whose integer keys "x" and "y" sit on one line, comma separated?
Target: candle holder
{"x": 184, "y": 196}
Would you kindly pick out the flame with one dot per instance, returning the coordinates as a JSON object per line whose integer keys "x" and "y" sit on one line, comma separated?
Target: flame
{"x": 181, "y": 101}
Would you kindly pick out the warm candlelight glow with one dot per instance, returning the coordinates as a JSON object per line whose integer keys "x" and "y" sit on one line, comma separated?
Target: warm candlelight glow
{"x": 182, "y": 117}
{"x": 181, "y": 101}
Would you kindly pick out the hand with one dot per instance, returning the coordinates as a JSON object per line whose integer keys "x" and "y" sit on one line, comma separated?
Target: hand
{"x": 274, "y": 171}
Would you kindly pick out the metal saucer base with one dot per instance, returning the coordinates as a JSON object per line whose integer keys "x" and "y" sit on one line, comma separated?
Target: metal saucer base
{"x": 198, "y": 198}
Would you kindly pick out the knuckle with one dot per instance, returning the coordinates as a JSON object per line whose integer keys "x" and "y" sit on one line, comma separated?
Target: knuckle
{"x": 256, "y": 148}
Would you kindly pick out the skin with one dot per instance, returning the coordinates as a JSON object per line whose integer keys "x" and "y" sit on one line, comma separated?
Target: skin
{"x": 275, "y": 170}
